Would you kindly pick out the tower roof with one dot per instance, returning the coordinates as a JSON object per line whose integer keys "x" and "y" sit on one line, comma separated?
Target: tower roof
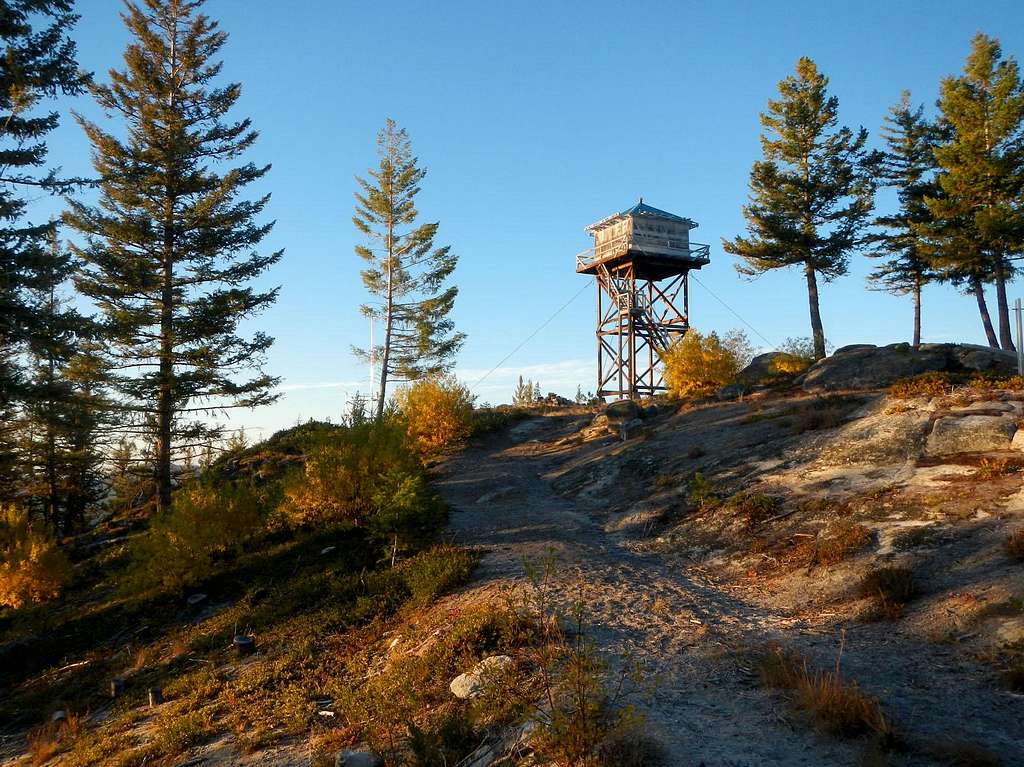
{"x": 641, "y": 209}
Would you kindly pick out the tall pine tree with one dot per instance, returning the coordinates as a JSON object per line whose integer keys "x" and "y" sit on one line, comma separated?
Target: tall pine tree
{"x": 811, "y": 195}
{"x": 38, "y": 63}
{"x": 908, "y": 166}
{"x": 170, "y": 248}
{"x": 979, "y": 219}
{"x": 405, "y": 272}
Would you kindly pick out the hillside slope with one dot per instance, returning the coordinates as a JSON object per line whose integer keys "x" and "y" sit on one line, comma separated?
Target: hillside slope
{"x": 694, "y": 585}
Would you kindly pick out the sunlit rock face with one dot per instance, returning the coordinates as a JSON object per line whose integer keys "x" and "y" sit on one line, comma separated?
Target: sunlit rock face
{"x": 863, "y": 366}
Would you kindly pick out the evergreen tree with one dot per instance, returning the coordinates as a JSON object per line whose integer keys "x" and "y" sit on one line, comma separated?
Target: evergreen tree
{"x": 170, "y": 247}
{"x": 979, "y": 217}
{"x": 59, "y": 424}
{"x": 523, "y": 393}
{"x": 38, "y": 63}
{"x": 907, "y": 165}
{"x": 405, "y": 272}
{"x": 811, "y": 195}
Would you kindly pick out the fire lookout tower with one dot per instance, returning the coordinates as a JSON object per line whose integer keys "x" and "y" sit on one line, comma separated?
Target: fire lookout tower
{"x": 641, "y": 262}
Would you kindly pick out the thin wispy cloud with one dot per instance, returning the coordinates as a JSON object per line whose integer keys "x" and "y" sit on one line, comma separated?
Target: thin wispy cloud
{"x": 321, "y": 385}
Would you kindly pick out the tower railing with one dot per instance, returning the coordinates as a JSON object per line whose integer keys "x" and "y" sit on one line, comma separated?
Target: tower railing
{"x": 584, "y": 260}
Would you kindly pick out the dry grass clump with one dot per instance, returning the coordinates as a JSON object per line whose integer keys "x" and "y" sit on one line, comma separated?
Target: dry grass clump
{"x": 990, "y": 468}
{"x": 841, "y": 541}
{"x": 924, "y": 385}
{"x": 45, "y": 741}
{"x": 891, "y": 587}
{"x": 754, "y": 508}
{"x": 958, "y": 753}
{"x": 836, "y": 705}
{"x": 1015, "y": 545}
{"x": 819, "y": 413}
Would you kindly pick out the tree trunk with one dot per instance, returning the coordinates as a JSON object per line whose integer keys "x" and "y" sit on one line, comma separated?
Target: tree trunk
{"x": 1002, "y": 308}
{"x": 812, "y": 299}
{"x": 917, "y": 314}
{"x": 385, "y": 357}
{"x": 165, "y": 396}
{"x": 986, "y": 320}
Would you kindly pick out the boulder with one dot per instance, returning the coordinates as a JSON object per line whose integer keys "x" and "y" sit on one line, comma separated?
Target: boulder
{"x": 983, "y": 359}
{"x": 872, "y": 367}
{"x": 768, "y": 368}
{"x": 971, "y": 434}
{"x": 621, "y": 411}
{"x": 863, "y": 366}
{"x": 629, "y": 428}
{"x": 471, "y": 684}
{"x": 731, "y": 392}
{"x": 353, "y": 758}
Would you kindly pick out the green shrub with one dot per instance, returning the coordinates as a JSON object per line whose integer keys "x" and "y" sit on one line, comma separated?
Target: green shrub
{"x": 343, "y": 474}
{"x": 204, "y": 522}
{"x": 437, "y": 571}
{"x": 702, "y": 493}
{"x": 406, "y": 515}
{"x": 32, "y": 568}
{"x": 490, "y": 419}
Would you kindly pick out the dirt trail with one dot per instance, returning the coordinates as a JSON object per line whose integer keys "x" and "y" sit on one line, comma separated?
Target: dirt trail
{"x": 681, "y": 626}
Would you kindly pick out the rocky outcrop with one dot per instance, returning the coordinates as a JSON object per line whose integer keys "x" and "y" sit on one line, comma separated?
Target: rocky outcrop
{"x": 471, "y": 684}
{"x": 971, "y": 434}
{"x": 352, "y": 758}
{"x": 863, "y": 366}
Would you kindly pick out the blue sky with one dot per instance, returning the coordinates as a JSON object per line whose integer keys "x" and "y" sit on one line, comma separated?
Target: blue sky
{"x": 534, "y": 120}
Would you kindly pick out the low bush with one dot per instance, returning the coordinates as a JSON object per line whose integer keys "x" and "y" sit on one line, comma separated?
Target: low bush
{"x": 698, "y": 364}
{"x": 797, "y": 356}
{"x": 992, "y": 382}
{"x": 891, "y": 587}
{"x": 1015, "y": 545}
{"x": 701, "y": 493}
{"x": 837, "y": 706}
{"x": 32, "y": 567}
{"x": 204, "y": 522}
{"x": 925, "y": 385}
{"x": 754, "y": 508}
{"x": 486, "y": 420}
{"x": 437, "y": 571}
{"x": 437, "y": 412}
{"x": 343, "y": 474}
{"x": 405, "y": 515}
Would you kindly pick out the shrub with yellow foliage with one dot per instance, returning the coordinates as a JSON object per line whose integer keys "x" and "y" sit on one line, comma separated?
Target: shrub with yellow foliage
{"x": 32, "y": 568}
{"x": 437, "y": 412}
{"x": 343, "y": 473}
{"x": 698, "y": 364}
